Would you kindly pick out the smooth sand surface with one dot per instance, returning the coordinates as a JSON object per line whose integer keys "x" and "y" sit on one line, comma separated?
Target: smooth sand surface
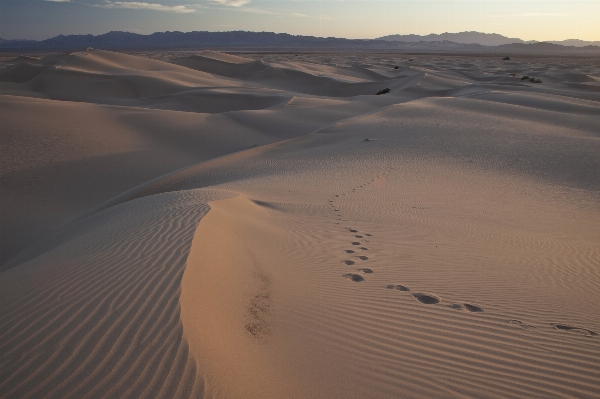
{"x": 276, "y": 230}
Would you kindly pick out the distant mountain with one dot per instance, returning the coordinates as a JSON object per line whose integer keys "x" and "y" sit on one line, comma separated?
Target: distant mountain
{"x": 165, "y": 40}
{"x": 264, "y": 40}
{"x": 546, "y": 49}
{"x": 16, "y": 42}
{"x": 575, "y": 42}
{"x": 486, "y": 39}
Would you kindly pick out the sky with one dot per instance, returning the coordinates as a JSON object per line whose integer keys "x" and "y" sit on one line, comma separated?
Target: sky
{"x": 528, "y": 20}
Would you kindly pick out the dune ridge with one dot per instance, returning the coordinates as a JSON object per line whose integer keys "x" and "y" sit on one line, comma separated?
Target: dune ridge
{"x": 101, "y": 311}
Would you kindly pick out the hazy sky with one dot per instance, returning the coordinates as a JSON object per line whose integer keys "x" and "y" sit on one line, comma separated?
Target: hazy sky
{"x": 528, "y": 20}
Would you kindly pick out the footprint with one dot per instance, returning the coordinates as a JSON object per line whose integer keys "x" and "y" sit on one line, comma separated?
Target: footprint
{"x": 365, "y": 270}
{"x": 357, "y": 236}
{"x": 466, "y": 306}
{"x": 353, "y": 231}
{"x": 349, "y": 262}
{"x": 519, "y": 323}
{"x": 369, "y": 235}
{"x": 362, "y": 257}
{"x": 349, "y": 251}
{"x": 396, "y": 287}
{"x": 427, "y": 299}
{"x": 354, "y": 277}
{"x": 573, "y": 329}
{"x": 355, "y": 243}
{"x": 364, "y": 249}
{"x": 472, "y": 308}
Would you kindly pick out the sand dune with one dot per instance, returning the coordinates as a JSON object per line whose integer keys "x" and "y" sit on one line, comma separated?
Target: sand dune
{"x": 104, "y": 77}
{"x": 100, "y": 312}
{"x": 315, "y": 81}
{"x": 437, "y": 241}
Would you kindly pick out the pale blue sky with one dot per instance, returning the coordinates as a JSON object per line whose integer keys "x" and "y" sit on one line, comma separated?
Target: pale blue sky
{"x": 528, "y": 20}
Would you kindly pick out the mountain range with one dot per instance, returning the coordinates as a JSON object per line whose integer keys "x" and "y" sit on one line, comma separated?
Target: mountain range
{"x": 465, "y": 42}
{"x": 485, "y": 39}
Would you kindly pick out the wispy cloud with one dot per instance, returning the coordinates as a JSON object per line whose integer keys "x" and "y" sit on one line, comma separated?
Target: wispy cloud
{"x": 233, "y": 3}
{"x": 252, "y": 10}
{"x": 138, "y": 5}
{"x": 534, "y": 14}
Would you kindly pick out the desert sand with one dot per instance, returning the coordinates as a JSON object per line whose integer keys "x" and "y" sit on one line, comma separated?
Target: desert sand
{"x": 213, "y": 225}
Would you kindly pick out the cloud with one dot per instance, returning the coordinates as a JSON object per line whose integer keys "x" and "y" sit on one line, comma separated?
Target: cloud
{"x": 233, "y": 3}
{"x": 138, "y": 5}
{"x": 534, "y": 14}
{"x": 251, "y": 10}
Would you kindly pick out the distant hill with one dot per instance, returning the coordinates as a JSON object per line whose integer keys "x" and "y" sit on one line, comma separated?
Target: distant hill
{"x": 268, "y": 40}
{"x": 485, "y": 39}
{"x": 576, "y": 43}
{"x": 542, "y": 47}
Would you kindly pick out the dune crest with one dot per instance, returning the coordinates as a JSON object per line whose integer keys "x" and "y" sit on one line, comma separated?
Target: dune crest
{"x": 100, "y": 312}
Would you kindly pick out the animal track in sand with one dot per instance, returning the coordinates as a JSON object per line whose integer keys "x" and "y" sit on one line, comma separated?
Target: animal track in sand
{"x": 349, "y": 251}
{"x": 365, "y": 270}
{"x": 349, "y": 262}
{"x": 364, "y": 248}
{"x": 357, "y": 236}
{"x": 575, "y": 330}
{"x": 427, "y": 299}
{"x": 353, "y": 231}
{"x": 369, "y": 235}
{"x": 354, "y": 277}
{"x": 355, "y": 243}
{"x": 259, "y": 309}
{"x": 362, "y": 257}
{"x": 522, "y": 325}
{"x": 397, "y": 287}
